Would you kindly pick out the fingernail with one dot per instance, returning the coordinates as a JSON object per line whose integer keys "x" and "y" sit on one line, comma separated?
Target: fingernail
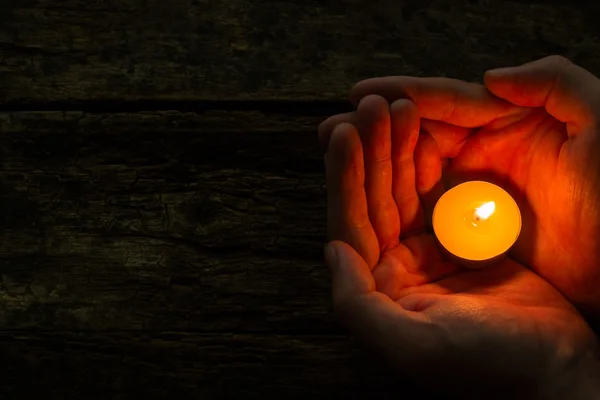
{"x": 330, "y": 256}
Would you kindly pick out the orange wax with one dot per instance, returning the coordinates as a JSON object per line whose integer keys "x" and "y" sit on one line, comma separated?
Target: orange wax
{"x": 476, "y": 221}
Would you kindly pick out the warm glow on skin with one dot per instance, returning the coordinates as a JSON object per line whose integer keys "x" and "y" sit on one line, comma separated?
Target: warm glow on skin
{"x": 532, "y": 128}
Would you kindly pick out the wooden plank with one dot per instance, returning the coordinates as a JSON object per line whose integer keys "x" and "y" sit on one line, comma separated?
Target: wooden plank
{"x": 191, "y": 366}
{"x": 124, "y": 50}
{"x": 164, "y": 220}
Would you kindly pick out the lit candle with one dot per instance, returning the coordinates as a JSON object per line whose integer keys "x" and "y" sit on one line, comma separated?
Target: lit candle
{"x": 476, "y": 222}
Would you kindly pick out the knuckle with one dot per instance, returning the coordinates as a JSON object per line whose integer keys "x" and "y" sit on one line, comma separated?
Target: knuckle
{"x": 372, "y": 101}
{"x": 559, "y": 60}
{"x": 402, "y": 106}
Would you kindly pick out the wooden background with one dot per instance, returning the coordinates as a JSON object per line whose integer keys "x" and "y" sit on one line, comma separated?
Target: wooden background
{"x": 162, "y": 200}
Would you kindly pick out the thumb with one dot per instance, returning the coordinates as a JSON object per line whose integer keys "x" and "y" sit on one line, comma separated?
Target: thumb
{"x": 349, "y": 271}
{"x": 568, "y": 92}
{"x": 374, "y": 317}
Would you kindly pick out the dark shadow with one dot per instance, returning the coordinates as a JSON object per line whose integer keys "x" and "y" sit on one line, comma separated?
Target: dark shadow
{"x": 6, "y": 7}
{"x": 289, "y": 107}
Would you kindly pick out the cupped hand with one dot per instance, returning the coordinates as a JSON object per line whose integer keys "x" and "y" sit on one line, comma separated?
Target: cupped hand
{"x": 538, "y": 137}
{"x": 494, "y": 328}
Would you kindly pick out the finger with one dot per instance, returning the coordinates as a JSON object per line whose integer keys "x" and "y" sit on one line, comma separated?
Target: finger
{"x": 449, "y": 138}
{"x": 568, "y": 92}
{"x": 490, "y": 153}
{"x": 441, "y": 99}
{"x": 326, "y": 127}
{"x": 405, "y": 133}
{"x": 373, "y": 120}
{"x": 416, "y": 263}
{"x": 371, "y": 315}
{"x": 347, "y": 213}
{"x": 428, "y": 167}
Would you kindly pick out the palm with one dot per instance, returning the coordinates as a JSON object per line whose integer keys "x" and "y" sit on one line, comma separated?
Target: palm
{"x": 548, "y": 173}
{"x": 512, "y": 298}
{"x": 415, "y": 266}
{"x": 505, "y": 317}
{"x": 505, "y": 298}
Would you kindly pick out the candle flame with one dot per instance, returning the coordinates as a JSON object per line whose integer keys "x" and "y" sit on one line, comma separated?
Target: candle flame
{"x": 485, "y": 210}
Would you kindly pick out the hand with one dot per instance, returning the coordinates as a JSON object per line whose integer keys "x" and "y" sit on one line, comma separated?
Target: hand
{"x": 539, "y": 139}
{"x": 503, "y": 326}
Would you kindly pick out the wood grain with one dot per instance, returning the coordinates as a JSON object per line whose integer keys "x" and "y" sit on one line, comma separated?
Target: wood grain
{"x": 70, "y": 365}
{"x": 165, "y": 220}
{"x": 127, "y": 50}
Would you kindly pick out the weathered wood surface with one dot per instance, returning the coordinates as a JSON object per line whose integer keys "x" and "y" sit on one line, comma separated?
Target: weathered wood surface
{"x": 190, "y": 366}
{"x": 162, "y": 221}
{"x": 77, "y": 50}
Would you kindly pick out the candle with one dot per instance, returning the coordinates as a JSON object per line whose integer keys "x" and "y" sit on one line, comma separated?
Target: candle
{"x": 476, "y": 221}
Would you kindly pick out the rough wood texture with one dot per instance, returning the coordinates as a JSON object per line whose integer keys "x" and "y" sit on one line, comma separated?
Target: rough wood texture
{"x": 190, "y": 366}
{"x": 277, "y": 49}
{"x": 162, "y": 221}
